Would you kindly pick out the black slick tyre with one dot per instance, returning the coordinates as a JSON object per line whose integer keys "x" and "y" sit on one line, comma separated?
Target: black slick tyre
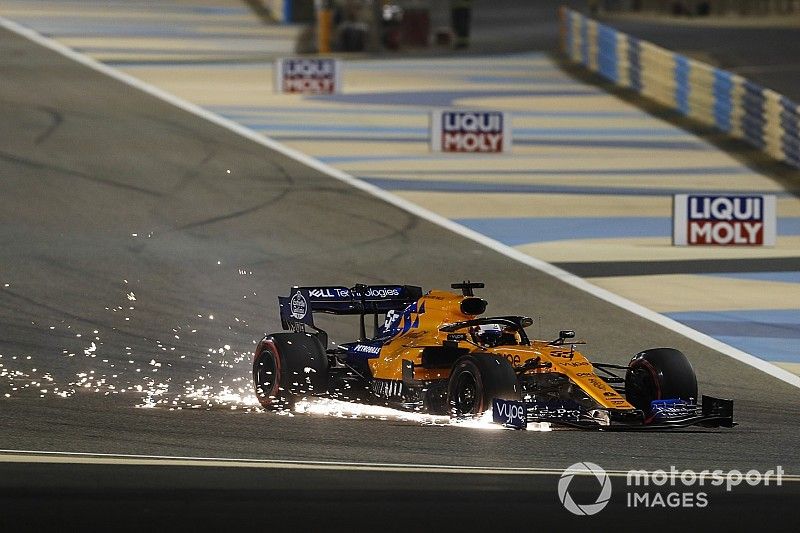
{"x": 288, "y": 367}
{"x": 477, "y": 379}
{"x": 659, "y": 374}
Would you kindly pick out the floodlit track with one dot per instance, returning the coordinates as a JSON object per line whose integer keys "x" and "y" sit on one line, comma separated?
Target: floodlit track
{"x": 131, "y": 257}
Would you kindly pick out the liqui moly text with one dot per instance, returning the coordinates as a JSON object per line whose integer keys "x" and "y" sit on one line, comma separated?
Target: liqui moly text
{"x": 724, "y": 220}
{"x": 307, "y": 76}
{"x": 470, "y": 131}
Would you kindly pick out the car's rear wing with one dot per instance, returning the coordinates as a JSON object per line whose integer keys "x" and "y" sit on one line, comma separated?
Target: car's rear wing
{"x": 299, "y": 307}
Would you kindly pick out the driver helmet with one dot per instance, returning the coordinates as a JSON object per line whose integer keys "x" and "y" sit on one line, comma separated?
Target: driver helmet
{"x": 488, "y": 334}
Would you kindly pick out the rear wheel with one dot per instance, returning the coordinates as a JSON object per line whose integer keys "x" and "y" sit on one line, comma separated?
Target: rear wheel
{"x": 659, "y": 374}
{"x": 477, "y": 379}
{"x": 287, "y": 367}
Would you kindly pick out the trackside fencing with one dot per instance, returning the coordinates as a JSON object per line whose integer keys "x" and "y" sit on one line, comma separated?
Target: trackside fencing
{"x": 718, "y": 98}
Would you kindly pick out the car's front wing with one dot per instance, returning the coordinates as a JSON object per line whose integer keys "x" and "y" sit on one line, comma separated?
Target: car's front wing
{"x": 664, "y": 414}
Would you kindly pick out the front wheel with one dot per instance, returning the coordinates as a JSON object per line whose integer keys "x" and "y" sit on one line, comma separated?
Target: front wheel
{"x": 287, "y": 367}
{"x": 659, "y": 374}
{"x": 476, "y": 380}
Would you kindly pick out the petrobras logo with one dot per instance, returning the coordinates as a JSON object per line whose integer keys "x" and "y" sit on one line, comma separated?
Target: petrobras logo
{"x": 329, "y": 292}
{"x": 382, "y": 292}
{"x": 365, "y": 348}
{"x": 470, "y": 131}
{"x": 298, "y": 306}
{"x": 307, "y": 76}
{"x": 724, "y": 220}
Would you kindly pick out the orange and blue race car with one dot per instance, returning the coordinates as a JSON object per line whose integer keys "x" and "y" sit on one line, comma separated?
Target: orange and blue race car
{"x": 436, "y": 352}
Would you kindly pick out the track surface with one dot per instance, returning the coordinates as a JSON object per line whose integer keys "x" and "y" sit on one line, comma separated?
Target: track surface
{"x": 86, "y": 162}
{"x": 216, "y": 498}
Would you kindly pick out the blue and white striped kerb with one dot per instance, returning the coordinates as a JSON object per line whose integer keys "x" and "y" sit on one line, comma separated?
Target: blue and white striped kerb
{"x": 718, "y": 98}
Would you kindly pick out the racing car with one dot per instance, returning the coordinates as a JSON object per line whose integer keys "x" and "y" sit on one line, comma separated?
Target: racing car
{"x": 436, "y": 352}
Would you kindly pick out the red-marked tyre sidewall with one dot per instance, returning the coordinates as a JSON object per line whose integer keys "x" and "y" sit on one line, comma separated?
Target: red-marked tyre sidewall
{"x": 659, "y": 374}
{"x": 288, "y": 367}
{"x": 266, "y": 355}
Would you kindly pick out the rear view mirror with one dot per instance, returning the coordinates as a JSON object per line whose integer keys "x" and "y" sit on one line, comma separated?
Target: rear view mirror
{"x": 566, "y": 334}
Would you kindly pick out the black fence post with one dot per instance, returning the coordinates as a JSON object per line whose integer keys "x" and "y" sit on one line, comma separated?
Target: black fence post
{"x": 460, "y": 19}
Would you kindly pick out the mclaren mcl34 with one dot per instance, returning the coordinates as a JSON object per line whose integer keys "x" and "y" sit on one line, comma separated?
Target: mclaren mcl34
{"x": 436, "y": 352}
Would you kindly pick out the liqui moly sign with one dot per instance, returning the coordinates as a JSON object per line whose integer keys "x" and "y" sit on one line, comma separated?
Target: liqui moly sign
{"x": 724, "y": 220}
{"x": 308, "y": 76}
{"x": 470, "y": 131}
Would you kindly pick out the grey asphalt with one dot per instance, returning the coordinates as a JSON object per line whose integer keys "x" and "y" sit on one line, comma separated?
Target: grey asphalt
{"x": 86, "y": 162}
{"x": 227, "y": 499}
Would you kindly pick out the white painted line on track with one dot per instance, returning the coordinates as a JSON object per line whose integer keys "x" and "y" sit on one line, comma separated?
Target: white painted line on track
{"x": 81, "y": 458}
{"x": 25, "y": 456}
{"x": 430, "y": 216}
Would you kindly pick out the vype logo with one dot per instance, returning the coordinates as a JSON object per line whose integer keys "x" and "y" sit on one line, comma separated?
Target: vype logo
{"x": 470, "y": 131}
{"x": 724, "y": 220}
{"x": 307, "y": 76}
{"x": 509, "y": 413}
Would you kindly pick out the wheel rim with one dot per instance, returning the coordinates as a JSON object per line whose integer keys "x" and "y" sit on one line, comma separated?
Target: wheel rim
{"x": 465, "y": 400}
